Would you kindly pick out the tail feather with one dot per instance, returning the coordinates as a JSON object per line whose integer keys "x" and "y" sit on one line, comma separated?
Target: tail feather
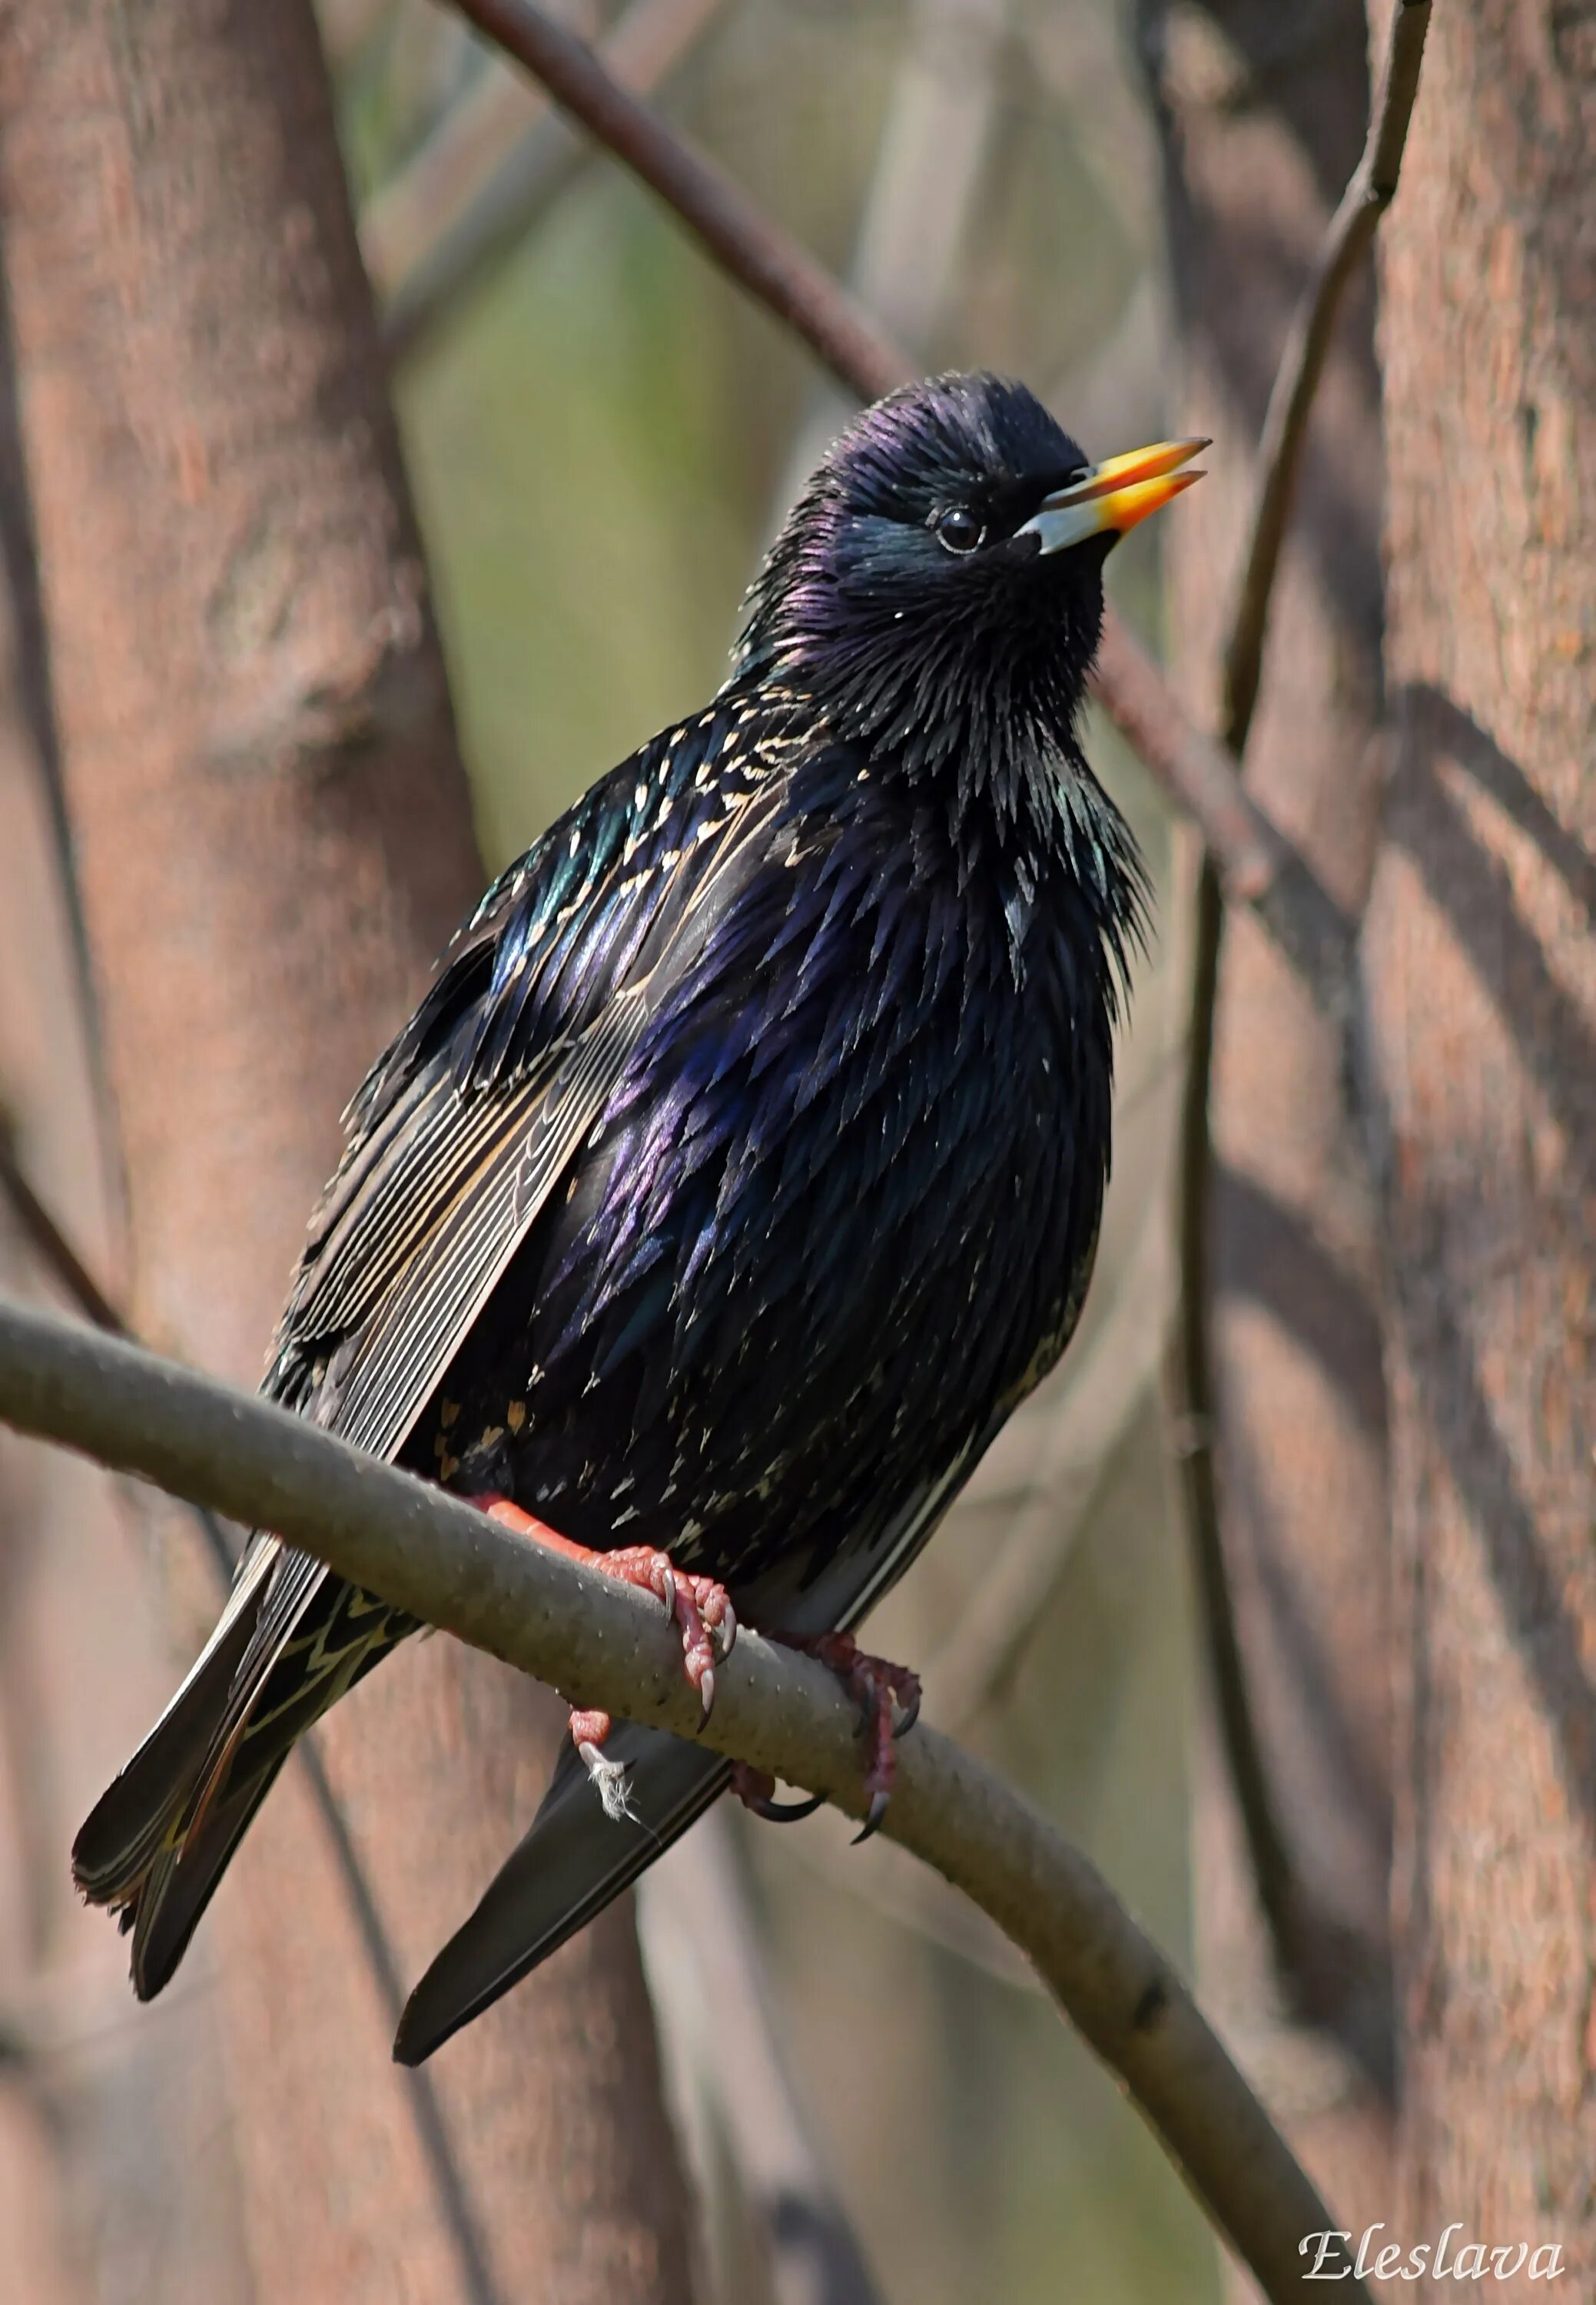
{"x": 123, "y": 1833}
{"x": 570, "y": 1864}
{"x": 291, "y": 1642}
{"x": 165, "y": 1908}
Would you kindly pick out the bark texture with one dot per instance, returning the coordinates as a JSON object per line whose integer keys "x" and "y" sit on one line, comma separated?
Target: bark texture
{"x": 117, "y": 2174}
{"x": 1481, "y": 977}
{"x": 1262, "y": 114}
{"x": 273, "y": 840}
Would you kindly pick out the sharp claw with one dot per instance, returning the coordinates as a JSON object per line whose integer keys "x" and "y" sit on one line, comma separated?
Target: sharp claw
{"x": 775, "y": 1812}
{"x": 669, "y": 1594}
{"x": 728, "y": 1631}
{"x": 910, "y": 1714}
{"x": 878, "y": 1809}
{"x": 706, "y": 1689}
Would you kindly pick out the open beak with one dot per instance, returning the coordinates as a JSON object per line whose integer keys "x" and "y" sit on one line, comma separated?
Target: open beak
{"x": 1114, "y": 495}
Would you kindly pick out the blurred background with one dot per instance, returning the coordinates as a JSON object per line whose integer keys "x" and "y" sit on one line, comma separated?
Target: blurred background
{"x": 1302, "y": 1662}
{"x": 601, "y": 434}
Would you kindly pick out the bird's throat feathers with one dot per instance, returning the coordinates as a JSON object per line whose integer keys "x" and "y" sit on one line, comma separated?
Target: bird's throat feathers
{"x": 906, "y": 610}
{"x": 988, "y": 739}
{"x": 985, "y": 689}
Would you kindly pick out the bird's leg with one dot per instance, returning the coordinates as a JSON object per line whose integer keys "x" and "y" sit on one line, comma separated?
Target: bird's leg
{"x": 889, "y": 1697}
{"x": 697, "y": 1604}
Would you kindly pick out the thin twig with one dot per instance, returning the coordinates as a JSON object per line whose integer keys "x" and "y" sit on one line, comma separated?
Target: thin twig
{"x": 30, "y": 675}
{"x": 404, "y": 219}
{"x": 49, "y": 1242}
{"x": 1259, "y": 866}
{"x": 431, "y": 1555}
{"x": 493, "y": 167}
{"x": 1347, "y": 240}
{"x": 768, "y": 263}
{"x": 1296, "y": 1931}
{"x": 57, "y": 1253}
{"x": 1193, "y": 1413}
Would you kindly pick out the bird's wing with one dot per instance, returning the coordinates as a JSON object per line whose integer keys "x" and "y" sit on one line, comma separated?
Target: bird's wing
{"x": 573, "y": 1858}
{"x": 469, "y": 1119}
{"x": 457, "y": 1137}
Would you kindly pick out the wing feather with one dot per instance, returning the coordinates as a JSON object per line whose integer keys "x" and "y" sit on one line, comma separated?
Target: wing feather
{"x": 447, "y": 1180}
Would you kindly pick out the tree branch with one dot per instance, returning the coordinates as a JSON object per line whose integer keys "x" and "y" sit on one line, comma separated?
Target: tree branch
{"x": 768, "y": 263}
{"x": 1347, "y": 242}
{"x": 605, "y": 1645}
{"x": 1257, "y": 864}
{"x": 491, "y": 168}
{"x": 1297, "y": 1932}
{"x": 49, "y": 1244}
{"x": 61, "y": 1258}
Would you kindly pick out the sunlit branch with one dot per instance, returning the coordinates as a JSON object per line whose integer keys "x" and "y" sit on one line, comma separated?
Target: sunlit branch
{"x": 605, "y": 1645}
{"x": 63, "y": 1261}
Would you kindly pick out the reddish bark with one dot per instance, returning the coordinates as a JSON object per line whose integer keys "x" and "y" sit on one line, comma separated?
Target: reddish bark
{"x": 1481, "y": 972}
{"x": 97, "y": 2199}
{"x": 273, "y": 837}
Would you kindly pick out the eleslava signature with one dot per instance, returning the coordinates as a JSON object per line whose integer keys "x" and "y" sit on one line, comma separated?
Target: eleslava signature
{"x": 1442, "y": 2260}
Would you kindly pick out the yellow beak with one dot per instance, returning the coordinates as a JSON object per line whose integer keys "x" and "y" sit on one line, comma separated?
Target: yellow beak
{"x": 1114, "y": 495}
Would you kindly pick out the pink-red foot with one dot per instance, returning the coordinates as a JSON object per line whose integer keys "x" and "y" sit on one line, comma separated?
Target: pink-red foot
{"x": 889, "y": 1699}
{"x": 700, "y": 1607}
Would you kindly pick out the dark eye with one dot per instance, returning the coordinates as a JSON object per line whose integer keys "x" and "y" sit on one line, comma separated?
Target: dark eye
{"x": 959, "y": 528}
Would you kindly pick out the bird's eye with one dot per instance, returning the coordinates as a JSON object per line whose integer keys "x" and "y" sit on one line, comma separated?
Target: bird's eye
{"x": 958, "y": 529}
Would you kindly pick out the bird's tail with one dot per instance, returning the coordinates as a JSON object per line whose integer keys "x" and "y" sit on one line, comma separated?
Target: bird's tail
{"x": 159, "y": 1838}
{"x": 571, "y": 1863}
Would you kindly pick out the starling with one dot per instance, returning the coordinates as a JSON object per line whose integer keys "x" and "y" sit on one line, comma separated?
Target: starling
{"x": 740, "y": 1172}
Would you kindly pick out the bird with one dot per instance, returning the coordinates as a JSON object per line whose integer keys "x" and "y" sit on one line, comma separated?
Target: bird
{"x": 739, "y": 1174}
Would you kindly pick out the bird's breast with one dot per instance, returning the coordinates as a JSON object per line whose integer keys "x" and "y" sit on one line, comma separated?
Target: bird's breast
{"x": 839, "y": 1209}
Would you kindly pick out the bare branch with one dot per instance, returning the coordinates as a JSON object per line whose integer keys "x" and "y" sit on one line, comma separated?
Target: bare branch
{"x": 408, "y": 213}
{"x": 1258, "y": 865}
{"x": 1297, "y": 1931}
{"x": 433, "y": 1556}
{"x": 1301, "y": 362}
{"x": 1254, "y": 862}
{"x": 493, "y": 167}
{"x": 49, "y": 1242}
{"x": 766, "y": 262}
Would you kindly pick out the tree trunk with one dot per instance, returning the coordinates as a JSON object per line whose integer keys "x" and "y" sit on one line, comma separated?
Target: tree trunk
{"x": 117, "y": 2174}
{"x": 1481, "y": 975}
{"x": 1261, "y": 113}
{"x": 273, "y": 837}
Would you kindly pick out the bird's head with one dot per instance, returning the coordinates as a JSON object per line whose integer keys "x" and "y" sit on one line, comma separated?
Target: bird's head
{"x": 938, "y": 587}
